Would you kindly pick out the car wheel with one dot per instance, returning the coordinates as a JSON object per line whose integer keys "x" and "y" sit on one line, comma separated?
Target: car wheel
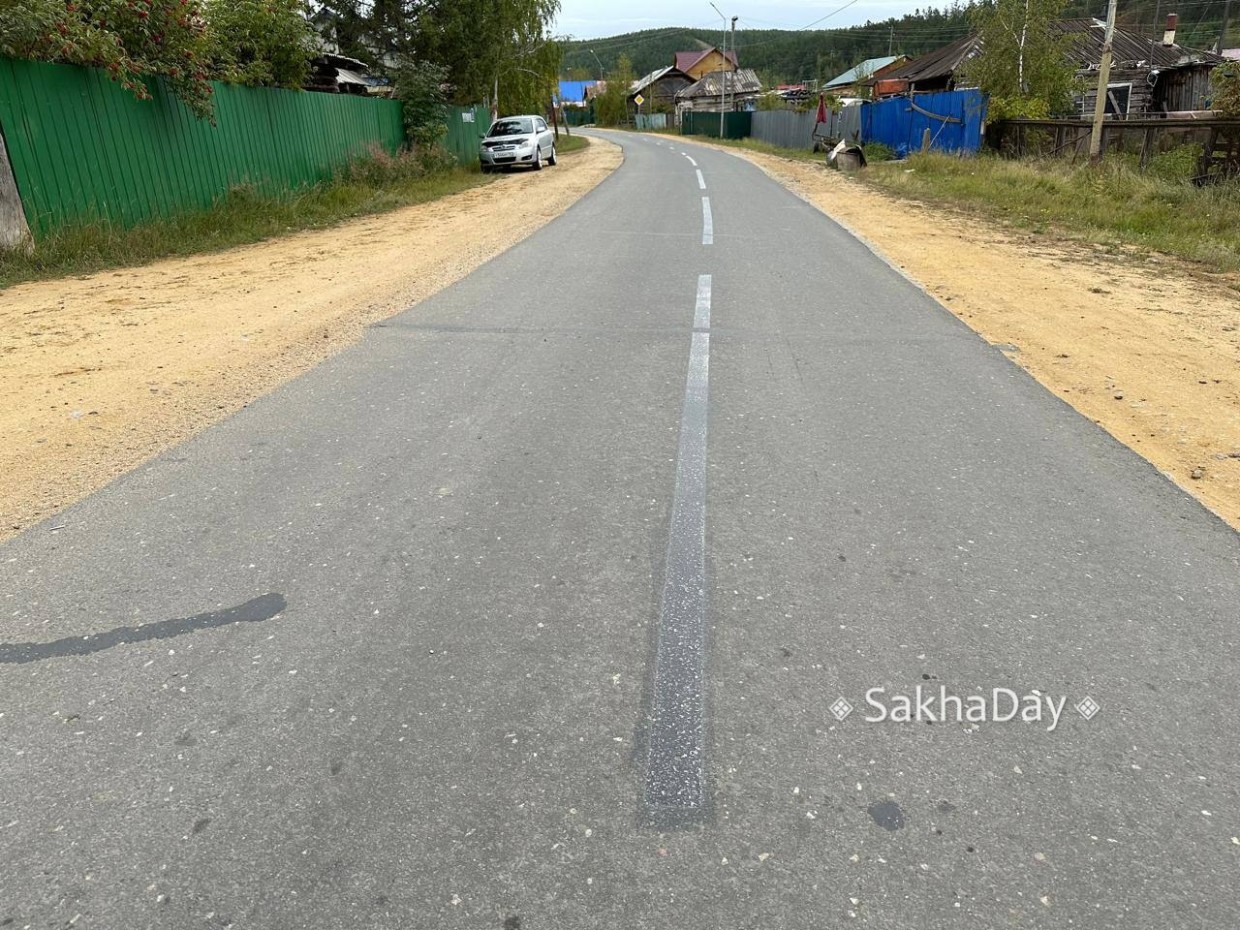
{"x": 537, "y": 159}
{"x": 487, "y": 169}
{"x": 553, "y": 160}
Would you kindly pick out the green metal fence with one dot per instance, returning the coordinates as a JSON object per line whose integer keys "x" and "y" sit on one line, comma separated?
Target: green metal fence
{"x": 466, "y": 127}
{"x": 735, "y": 125}
{"x": 83, "y": 148}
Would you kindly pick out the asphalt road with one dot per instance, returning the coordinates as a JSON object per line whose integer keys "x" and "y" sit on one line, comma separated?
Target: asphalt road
{"x": 532, "y": 610}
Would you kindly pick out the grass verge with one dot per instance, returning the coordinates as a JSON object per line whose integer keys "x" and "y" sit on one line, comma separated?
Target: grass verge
{"x": 567, "y": 143}
{"x": 375, "y": 184}
{"x": 1113, "y": 204}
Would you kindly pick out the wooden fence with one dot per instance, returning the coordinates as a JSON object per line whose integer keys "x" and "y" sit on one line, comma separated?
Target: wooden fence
{"x": 1144, "y": 138}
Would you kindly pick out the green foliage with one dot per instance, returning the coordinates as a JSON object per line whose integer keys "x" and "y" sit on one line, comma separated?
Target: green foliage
{"x": 1177, "y": 164}
{"x": 482, "y": 42}
{"x": 263, "y": 43}
{"x": 1225, "y": 81}
{"x": 131, "y": 39}
{"x": 877, "y": 152}
{"x": 527, "y": 79}
{"x": 419, "y": 88}
{"x": 1112, "y": 203}
{"x": 611, "y": 107}
{"x": 1023, "y": 64}
{"x": 378, "y": 169}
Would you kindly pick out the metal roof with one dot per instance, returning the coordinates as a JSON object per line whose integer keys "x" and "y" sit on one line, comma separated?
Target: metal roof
{"x": 866, "y": 69}
{"x": 657, "y": 75}
{"x": 741, "y": 81}
{"x": 942, "y": 62}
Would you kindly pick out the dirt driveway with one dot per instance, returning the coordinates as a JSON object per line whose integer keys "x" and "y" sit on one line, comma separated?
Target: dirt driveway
{"x": 102, "y": 372}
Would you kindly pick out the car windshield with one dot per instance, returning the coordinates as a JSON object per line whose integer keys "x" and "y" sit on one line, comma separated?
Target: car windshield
{"x": 511, "y": 127}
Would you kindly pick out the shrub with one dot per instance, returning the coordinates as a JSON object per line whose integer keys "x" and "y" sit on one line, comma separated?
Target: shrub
{"x": 131, "y": 39}
{"x": 262, "y": 43}
{"x": 1225, "y": 79}
{"x": 419, "y": 88}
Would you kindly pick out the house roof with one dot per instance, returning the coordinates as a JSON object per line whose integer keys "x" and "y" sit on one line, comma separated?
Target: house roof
{"x": 741, "y": 81}
{"x": 657, "y": 75}
{"x": 867, "y": 68}
{"x": 942, "y": 62}
{"x": 1127, "y": 49}
{"x": 686, "y": 60}
{"x": 1232, "y": 53}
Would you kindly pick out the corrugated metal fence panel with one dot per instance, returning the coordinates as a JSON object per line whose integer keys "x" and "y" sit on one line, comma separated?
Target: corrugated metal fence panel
{"x": 735, "y": 125}
{"x": 792, "y": 130}
{"x": 954, "y": 119}
{"x": 83, "y": 148}
{"x": 466, "y": 127}
{"x": 785, "y": 128}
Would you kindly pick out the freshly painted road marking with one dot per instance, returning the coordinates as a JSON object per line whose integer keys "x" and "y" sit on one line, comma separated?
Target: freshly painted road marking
{"x": 708, "y": 224}
{"x": 701, "y": 180}
{"x": 675, "y": 767}
{"x": 691, "y": 161}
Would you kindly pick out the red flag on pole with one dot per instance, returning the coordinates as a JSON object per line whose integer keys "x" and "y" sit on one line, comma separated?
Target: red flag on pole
{"x": 822, "y": 108}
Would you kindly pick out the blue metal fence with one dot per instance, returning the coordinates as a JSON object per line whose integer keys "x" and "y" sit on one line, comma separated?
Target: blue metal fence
{"x": 954, "y": 119}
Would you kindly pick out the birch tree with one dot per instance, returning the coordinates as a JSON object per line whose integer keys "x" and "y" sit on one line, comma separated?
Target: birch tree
{"x": 1023, "y": 62}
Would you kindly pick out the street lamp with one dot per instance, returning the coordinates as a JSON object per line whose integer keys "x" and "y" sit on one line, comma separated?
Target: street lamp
{"x": 602, "y": 72}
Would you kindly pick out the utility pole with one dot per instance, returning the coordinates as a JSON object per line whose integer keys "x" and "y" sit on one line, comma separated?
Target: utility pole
{"x": 891, "y": 40}
{"x": 1104, "y": 75}
{"x": 1222, "y": 36}
{"x": 722, "y": 69}
{"x": 734, "y": 55}
{"x": 1157, "y": 12}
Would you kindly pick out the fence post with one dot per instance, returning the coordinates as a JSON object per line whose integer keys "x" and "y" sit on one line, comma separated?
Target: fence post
{"x": 14, "y": 232}
{"x": 1147, "y": 146}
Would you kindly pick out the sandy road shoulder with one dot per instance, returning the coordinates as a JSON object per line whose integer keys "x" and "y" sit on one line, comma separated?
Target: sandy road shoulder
{"x": 1143, "y": 346}
{"x": 101, "y": 373}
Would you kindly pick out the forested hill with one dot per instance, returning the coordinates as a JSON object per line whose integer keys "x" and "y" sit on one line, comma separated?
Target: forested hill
{"x": 786, "y": 56}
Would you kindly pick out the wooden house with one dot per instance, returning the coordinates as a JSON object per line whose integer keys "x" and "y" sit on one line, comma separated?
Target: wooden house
{"x": 659, "y": 88}
{"x": 1149, "y": 76}
{"x": 734, "y": 90}
{"x": 696, "y": 65}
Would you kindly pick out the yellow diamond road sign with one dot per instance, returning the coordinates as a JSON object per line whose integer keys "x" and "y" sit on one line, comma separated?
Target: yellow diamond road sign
{"x": 639, "y": 100}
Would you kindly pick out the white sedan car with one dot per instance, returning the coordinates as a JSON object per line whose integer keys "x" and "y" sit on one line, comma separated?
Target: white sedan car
{"x": 517, "y": 140}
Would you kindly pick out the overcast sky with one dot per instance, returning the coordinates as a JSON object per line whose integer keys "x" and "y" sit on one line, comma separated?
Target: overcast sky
{"x": 590, "y": 19}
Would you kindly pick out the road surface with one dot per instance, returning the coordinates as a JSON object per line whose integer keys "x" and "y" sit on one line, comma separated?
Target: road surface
{"x": 535, "y": 610}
